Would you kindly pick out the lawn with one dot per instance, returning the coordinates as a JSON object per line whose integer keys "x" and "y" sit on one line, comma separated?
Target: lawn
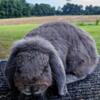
{"x": 94, "y": 31}
{"x": 11, "y": 33}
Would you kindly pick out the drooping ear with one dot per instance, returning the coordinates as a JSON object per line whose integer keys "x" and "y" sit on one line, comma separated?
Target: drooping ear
{"x": 59, "y": 74}
{"x": 11, "y": 68}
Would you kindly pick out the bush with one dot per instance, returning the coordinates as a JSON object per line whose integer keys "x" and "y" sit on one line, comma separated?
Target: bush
{"x": 81, "y": 24}
{"x": 97, "y": 22}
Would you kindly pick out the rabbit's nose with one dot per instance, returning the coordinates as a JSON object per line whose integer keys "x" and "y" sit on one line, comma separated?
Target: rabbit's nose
{"x": 27, "y": 91}
{"x": 36, "y": 91}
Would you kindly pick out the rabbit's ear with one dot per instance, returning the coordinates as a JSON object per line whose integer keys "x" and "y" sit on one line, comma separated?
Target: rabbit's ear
{"x": 11, "y": 68}
{"x": 59, "y": 74}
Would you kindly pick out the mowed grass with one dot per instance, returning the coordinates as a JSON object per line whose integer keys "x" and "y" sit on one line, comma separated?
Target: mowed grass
{"x": 94, "y": 31}
{"x": 11, "y": 33}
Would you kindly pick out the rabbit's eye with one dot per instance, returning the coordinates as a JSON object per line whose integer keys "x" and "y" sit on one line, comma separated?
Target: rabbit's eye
{"x": 18, "y": 71}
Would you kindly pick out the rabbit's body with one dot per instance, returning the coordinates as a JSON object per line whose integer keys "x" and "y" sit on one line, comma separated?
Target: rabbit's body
{"x": 74, "y": 46}
{"x": 57, "y": 50}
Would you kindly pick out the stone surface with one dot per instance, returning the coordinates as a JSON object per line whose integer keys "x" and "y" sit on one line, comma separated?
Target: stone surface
{"x": 87, "y": 89}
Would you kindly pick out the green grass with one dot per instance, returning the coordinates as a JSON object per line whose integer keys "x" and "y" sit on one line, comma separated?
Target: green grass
{"x": 11, "y": 33}
{"x": 94, "y": 31}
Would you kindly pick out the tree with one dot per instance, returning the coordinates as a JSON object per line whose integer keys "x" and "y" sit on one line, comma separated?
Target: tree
{"x": 59, "y": 11}
{"x": 14, "y": 8}
{"x": 43, "y": 10}
{"x": 20, "y": 8}
{"x": 72, "y": 9}
{"x": 90, "y": 10}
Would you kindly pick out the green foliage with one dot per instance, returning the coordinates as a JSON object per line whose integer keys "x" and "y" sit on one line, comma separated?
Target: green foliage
{"x": 72, "y": 9}
{"x": 92, "y": 10}
{"x": 20, "y": 8}
{"x": 81, "y": 24}
{"x": 97, "y": 22}
{"x": 43, "y": 10}
{"x": 88, "y": 23}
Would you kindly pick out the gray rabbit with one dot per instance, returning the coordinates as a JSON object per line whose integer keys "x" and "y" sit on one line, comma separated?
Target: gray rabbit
{"x": 55, "y": 51}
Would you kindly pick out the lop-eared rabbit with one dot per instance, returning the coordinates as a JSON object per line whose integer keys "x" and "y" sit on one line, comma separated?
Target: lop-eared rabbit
{"x": 54, "y": 52}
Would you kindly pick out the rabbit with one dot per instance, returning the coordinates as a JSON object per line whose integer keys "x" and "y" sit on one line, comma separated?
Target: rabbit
{"x": 54, "y": 52}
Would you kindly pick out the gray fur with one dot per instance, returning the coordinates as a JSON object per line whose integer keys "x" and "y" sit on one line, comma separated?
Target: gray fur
{"x": 68, "y": 53}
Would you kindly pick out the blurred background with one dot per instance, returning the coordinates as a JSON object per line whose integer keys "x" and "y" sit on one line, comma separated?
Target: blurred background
{"x": 18, "y": 17}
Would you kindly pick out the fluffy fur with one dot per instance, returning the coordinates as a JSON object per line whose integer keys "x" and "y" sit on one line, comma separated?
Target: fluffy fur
{"x": 68, "y": 53}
